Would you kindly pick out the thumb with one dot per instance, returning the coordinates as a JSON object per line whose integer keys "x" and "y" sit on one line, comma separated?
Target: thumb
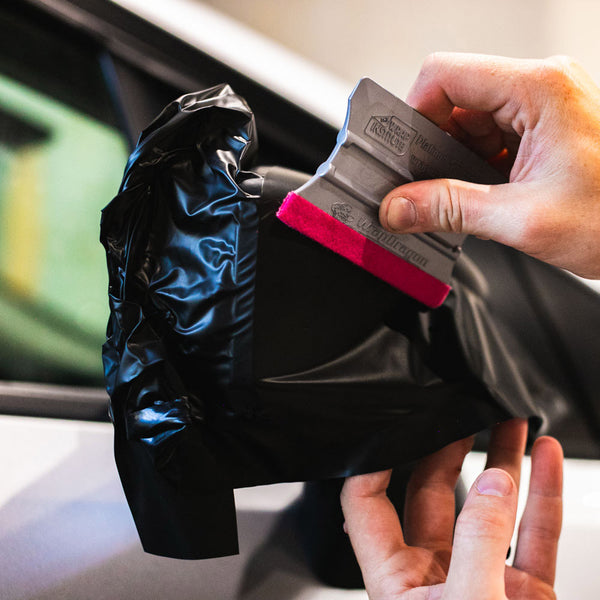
{"x": 455, "y": 206}
{"x": 482, "y": 537}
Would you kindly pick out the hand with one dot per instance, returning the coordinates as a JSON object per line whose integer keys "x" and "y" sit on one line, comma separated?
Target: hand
{"x": 540, "y": 119}
{"x": 431, "y": 559}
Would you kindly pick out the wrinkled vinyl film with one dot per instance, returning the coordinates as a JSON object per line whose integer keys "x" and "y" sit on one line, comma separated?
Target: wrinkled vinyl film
{"x": 240, "y": 353}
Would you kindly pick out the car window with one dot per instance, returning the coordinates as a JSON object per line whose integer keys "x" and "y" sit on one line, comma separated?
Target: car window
{"x": 73, "y": 99}
{"x": 59, "y": 165}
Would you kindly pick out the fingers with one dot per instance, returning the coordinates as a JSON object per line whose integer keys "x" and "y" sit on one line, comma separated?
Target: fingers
{"x": 512, "y": 111}
{"x": 476, "y": 98}
{"x": 541, "y": 523}
{"x": 371, "y": 521}
{"x": 489, "y": 211}
{"x": 477, "y": 130}
{"x": 489, "y": 84}
{"x": 482, "y": 537}
{"x": 507, "y": 447}
{"x": 429, "y": 508}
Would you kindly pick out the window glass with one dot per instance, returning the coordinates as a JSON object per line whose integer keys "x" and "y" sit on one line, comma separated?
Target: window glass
{"x": 58, "y": 168}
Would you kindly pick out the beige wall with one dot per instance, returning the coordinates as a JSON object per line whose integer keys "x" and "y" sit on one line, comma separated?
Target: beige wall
{"x": 388, "y": 39}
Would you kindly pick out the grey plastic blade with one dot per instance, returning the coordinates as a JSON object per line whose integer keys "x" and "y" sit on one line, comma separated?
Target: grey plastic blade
{"x": 383, "y": 144}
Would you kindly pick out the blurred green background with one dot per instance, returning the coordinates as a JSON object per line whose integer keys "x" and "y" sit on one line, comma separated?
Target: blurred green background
{"x": 58, "y": 169}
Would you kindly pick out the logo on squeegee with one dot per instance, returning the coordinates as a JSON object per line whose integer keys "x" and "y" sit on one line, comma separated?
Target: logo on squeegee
{"x": 391, "y": 132}
{"x": 342, "y": 212}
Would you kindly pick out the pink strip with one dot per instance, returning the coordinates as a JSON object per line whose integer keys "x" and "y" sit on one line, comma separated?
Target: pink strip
{"x": 299, "y": 214}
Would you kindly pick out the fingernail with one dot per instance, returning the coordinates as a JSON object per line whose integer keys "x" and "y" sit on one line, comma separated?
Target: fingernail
{"x": 401, "y": 213}
{"x": 494, "y": 482}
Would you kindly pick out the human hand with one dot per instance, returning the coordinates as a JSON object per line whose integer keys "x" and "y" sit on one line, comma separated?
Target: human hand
{"x": 541, "y": 120}
{"x": 431, "y": 559}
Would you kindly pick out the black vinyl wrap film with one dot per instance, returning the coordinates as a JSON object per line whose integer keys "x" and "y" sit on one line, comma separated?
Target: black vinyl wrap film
{"x": 240, "y": 353}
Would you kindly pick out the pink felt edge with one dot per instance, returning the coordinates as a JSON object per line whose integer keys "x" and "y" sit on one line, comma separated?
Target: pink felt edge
{"x": 306, "y": 218}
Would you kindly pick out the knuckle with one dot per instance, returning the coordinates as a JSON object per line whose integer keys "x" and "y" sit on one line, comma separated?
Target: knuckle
{"x": 481, "y": 523}
{"x": 447, "y": 209}
{"x": 558, "y": 73}
{"x": 526, "y": 586}
{"x": 433, "y": 61}
{"x": 543, "y": 532}
{"x": 565, "y": 64}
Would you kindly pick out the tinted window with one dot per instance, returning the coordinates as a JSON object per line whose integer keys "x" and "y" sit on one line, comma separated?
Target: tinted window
{"x": 61, "y": 161}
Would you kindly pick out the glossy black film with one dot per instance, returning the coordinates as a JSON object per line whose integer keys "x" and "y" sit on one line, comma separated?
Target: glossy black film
{"x": 240, "y": 353}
